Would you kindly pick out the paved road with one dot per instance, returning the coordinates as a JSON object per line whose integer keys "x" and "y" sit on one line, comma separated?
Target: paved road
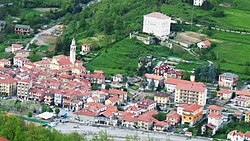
{"x": 45, "y": 32}
{"x": 120, "y": 134}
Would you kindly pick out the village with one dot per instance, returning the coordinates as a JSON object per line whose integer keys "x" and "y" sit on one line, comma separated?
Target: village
{"x": 160, "y": 101}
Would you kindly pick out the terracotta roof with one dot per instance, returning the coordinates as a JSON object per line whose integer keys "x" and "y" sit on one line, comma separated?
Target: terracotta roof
{"x": 114, "y": 99}
{"x": 224, "y": 91}
{"x": 191, "y": 87}
{"x": 86, "y": 113}
{"x": 25, "y": 80}
{"x": 98, "y": 76}
{"x": 215, "y": 115}
{"x": 119, "y": 75}
{"x": 161, "y": 124}
{"x": 160, "y": 94}
{"x": 146, "y": 118}
{"x": 3, "y": 139}
{"x": 192, "y": 107}
{"x": 115, "y": 91}
{"x": 20, "y": 51}
{"x": 7, "y": 79}
{"x": 129, "y": 118}
{"x": 145, "y": 103}
{"x": 247, "y": 134}
{"x": 244, "y": 93}
{"x": 173, "y": 115}
{"x": 175, "y": 81}
{"x": 4, "y": 60}
{"x": 63, "y": 62}
{"x": 16, "y": 46}
{"x": 207, "y": 43}
{"x": 238, "y": 113}
{"x": 214, "y": 107}
{"x": 158, "y": 15}
{"x": 153, "y": 76}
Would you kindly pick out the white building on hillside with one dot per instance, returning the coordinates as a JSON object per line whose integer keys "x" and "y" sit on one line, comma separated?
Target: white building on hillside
{"x": 198, "y": 2}
{"x": 157, "y": 23}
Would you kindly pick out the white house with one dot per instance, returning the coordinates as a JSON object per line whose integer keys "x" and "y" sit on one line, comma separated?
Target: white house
{"x": 85, "y": 47}
{"x": 153, "y": 79}
{"x": 157, "y": 24}
{"x": 58, "y": 98}
{"x": 235, "y": 136}
{"x": 228, "y": 80}
{"x": 85, "y": 116}
{"x": 204, "y": 44}
{"x": 118, "y": 78}
{"x": 214, "y": 121}
{"x": 198, "y": 2}
{"x": 15, "y": 47}
{"x": 20, "y": 61}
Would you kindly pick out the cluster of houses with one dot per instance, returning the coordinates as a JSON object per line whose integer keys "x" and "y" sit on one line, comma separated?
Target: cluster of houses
{"x": 238, "y": 136}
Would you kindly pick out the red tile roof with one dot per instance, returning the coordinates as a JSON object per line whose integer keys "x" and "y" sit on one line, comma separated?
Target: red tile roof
{"x": 247, "y": 134}
{"x": 192, "y": 107}
{"x": 210, "y": 125}
{"x": 86, "y": 113}
{"x": 192, "y": 87}
{"x": 114, "y": 99}
{"x": 244, "y": 93}
{"x": 145, "y": 103}
{"x": 214, "y": 107}
{"x": 207, "y": 43}
{"x": 3, "y": 139}
{"x": 63, "y": 62}
{"x": 224, "y": 91}
{"x": 16, "y": 46}
{"x": 215, "y": 115}
{"x": 153, "y": 76}
{"x": 161, "y": 123}
{"x": 174, "y": 115}
{"x": 115, "y": 91}
{"x": 7, "y": 79}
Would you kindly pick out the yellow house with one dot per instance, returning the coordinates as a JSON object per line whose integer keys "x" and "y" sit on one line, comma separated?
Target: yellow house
{"x": 247, "y": 116}
{"x": 190, "y": 114}
{"x": 161, "y": 98}
{"x": 7, "y": 85}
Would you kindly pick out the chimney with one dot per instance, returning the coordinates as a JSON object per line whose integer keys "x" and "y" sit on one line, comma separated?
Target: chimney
{"x": 192, "y": 78}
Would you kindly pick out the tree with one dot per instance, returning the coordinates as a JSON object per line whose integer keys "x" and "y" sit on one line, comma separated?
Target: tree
{"x": 50, "y": 110}
{"x": 57, "y": 111}
{"x": 160, "y": 116}
{"x": 29, "y": 114}
{"x": 44, "y": 109}
{"x": 218, "y": 12}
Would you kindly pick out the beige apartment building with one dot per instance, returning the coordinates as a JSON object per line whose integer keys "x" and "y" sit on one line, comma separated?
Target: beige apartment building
{"x": 7, "y": 85}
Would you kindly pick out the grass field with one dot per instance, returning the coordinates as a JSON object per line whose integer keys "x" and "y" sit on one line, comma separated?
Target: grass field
{"x": 233, "y": 52}
{"x": 124, "y": 56}
{"x": 237, "y": 16}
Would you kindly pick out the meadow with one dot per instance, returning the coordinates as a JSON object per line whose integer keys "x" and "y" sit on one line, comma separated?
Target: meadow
{"x": 233, "y": 52}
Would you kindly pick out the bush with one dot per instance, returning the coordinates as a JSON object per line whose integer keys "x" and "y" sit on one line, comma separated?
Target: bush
{"x": 218, "y": 13}
{"x": 29, "y": 114}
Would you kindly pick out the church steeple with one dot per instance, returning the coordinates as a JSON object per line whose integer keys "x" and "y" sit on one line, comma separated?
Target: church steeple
{"x": 73, "y": 51}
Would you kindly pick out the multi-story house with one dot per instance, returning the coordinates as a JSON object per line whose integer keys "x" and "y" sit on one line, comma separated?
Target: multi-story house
{"x": 190, "y": 114}
{"x": 235, "y": 136}
{"x": 58, "y": 98}
{"x": 4, "y": 63}
{"x": 161, "y": 98}
{"x": 23, "y": 29}
{"x": 37, "y": 94}
{"x": 247, "y": 117}
{"x": 191, "y": 93}
{"x": 147, "y": 105}
{"x": 22, "y": 53}
{"x": 242, "y": 101}
{"x": 153, "y": 81}
{"x": 145, "y": 122}
{"x": 224, "y": 94}
{"x": 215, "y": 121}
{"x": 85, "y": 47}
{"x": 49, "y": 99}
{"x": 7, "y": 85}
{"x": 157, "y": 24}
{"x": 20, "y": 61}
{"x": 214, "y": 109}
{"x": 23, "y": 87}
{"x": 228, "y": 80}
{"x": 174, "y": 118}
{"x": 123, "y": 95}
{"x": 15, "y": 47}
